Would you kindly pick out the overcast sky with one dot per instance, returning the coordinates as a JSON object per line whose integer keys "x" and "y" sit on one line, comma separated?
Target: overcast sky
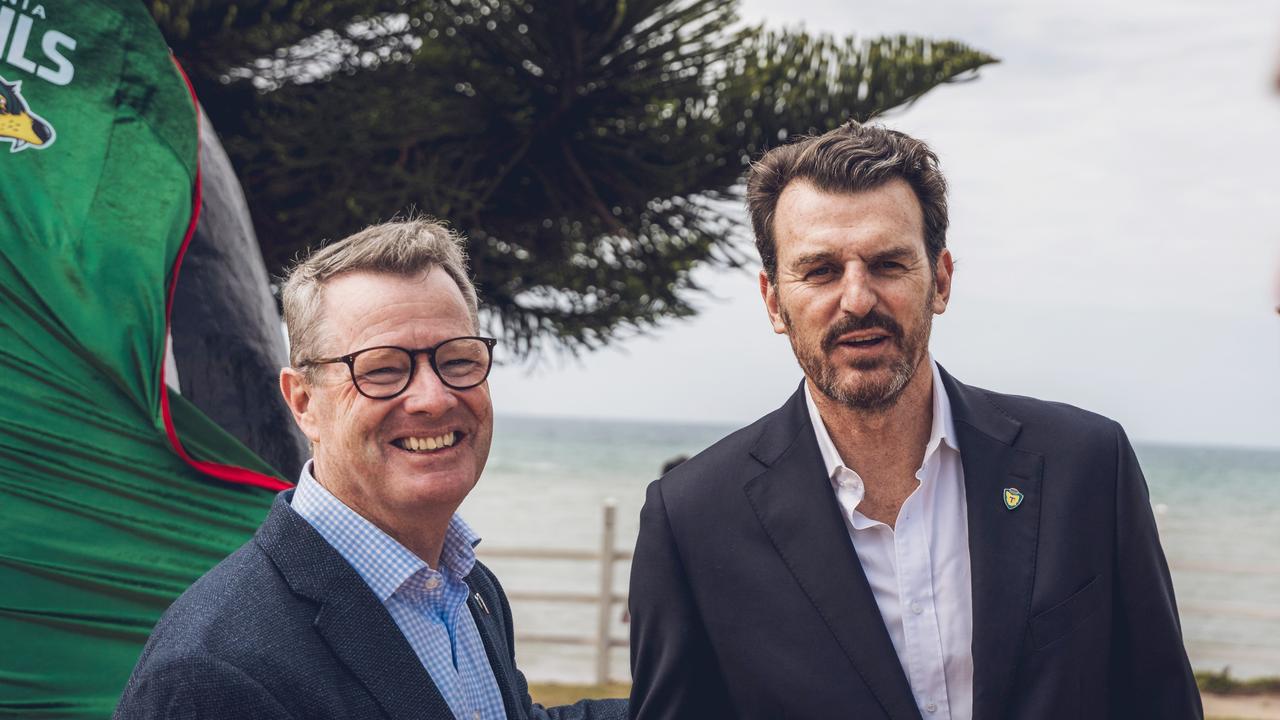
{"x": 1115, "y": 219}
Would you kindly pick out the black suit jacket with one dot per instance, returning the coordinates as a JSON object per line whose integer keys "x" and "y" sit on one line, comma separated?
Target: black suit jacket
{"x": 285, "y": 628}
{"x": 748, "y": 600}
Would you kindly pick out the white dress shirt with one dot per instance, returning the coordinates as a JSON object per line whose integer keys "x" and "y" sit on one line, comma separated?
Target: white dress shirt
{"x": 919, "y": 570}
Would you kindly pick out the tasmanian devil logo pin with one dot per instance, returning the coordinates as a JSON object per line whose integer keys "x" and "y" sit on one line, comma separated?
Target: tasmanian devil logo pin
{"x": 20, "y": 127}
{"x": 1012, "y": 498}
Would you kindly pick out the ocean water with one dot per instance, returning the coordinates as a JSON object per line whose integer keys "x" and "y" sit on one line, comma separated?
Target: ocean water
{"x": 546, "y": 481}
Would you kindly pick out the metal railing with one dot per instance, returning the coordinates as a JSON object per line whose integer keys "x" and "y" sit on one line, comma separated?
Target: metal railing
{"x": 604, "y": 599}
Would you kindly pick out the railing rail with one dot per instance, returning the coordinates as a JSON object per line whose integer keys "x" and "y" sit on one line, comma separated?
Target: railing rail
{"x": 607, "y": 556}
{"x": 604, "y": 599}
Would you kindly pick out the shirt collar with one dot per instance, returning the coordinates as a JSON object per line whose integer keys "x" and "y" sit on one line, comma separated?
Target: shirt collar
{"x": 942, "y": 431}
{"x": 378, "y": 558}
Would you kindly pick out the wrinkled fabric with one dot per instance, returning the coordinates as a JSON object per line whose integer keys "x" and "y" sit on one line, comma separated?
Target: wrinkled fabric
{"x": 102, "y": 524}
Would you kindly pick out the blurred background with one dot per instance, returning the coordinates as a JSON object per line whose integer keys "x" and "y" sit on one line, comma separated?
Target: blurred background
{"x": 1116, "y": 233}
{"x": 1112, "y": 218}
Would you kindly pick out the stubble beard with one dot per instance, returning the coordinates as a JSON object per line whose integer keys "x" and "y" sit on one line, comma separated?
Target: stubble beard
{"x": 871, "y": 391}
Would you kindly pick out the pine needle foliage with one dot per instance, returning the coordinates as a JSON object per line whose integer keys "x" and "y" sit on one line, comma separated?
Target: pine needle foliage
{"x": 582, "y": 145}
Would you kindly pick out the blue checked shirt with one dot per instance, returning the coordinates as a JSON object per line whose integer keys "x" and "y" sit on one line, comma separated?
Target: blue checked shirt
{"x": 429, "y": 606}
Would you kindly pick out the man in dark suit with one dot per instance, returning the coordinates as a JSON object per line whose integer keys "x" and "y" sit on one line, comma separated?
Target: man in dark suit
{"x": 360, "y": 596}
{"x": 892, "y": 543}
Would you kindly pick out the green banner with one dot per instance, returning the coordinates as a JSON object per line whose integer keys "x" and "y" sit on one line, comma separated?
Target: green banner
{"x": 102, "y": 522}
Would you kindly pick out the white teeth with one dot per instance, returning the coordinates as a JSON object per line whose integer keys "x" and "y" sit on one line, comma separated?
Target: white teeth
{"x": 421, "y": 444}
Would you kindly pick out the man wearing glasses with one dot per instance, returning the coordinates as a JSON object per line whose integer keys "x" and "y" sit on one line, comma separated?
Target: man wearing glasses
{"x": 360, "y": 596}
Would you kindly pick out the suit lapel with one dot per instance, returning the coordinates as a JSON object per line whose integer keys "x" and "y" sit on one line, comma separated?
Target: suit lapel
{"x": 1002, "y": 541}
{"x": 796, "y": 507}
{"x": 494, "y": 639}
{"x": 354, "y": 624}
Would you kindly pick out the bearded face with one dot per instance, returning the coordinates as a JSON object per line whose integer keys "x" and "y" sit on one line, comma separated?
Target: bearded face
{"x": 865, "y": 381}
{"x": 854, "y": 291}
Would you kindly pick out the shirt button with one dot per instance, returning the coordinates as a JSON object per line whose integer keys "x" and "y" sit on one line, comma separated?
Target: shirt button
{"x": 433, "y": 582}
{"x": 915, "y": 608}
{"x": 931, "y": 707}
{"x": 475, "y": 715}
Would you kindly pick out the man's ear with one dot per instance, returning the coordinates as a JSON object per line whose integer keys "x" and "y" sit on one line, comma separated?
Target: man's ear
{"x": 769, "y": 292}
{"x": 297, "y": 395}
{"x": 942, "y": 273}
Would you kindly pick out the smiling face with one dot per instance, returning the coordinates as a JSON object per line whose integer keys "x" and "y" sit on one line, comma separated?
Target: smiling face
{"x": 412, "y": 458}
{"x": 855, "y": 292}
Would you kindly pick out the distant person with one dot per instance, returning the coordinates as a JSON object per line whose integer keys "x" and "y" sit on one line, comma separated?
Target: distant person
{"x": 673, "y": 463}
{"x": 893, "y": 543}
{"x": 361, "y": 596}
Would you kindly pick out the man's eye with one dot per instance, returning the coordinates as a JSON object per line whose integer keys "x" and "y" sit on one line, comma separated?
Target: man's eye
{"x": 460, "y": 368}
{"x": 382, "y": 374}
{"x": 819, "y": 272}
{"x": 459, "y": 364}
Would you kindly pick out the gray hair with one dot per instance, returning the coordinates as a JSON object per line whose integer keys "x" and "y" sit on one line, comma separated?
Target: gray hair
{"x": 404, "y": 247}
{"x": 849, "y": 159}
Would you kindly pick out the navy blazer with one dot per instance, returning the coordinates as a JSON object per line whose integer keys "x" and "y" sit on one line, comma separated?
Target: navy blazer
{"x": 748, "y": 599}
{"x": 285, "y": 628}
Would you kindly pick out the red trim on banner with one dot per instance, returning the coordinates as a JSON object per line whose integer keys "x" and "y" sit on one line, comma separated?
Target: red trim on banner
{"x": 229, "y": 473}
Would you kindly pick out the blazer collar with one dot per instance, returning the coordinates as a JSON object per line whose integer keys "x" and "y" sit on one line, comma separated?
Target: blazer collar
{"x": 794, "y": 503}
{"x": 1002, "y": 541}
{"x": 354, "y": 624}
{"x": 793, "y": 500}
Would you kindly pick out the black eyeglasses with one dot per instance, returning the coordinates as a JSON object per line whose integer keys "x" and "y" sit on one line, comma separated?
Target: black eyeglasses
{"x": 383, "y": 372}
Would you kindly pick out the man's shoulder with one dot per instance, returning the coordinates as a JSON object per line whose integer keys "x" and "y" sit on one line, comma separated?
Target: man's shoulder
{"x": 732, "y": 448}
{"x": 1029, "y": 409}
{"x": 1033, "y": 409}
{"x": 1042, "y": 423}
{"x": 241, "y": 596}
{"x": 726, "y": 463}
{"x": 247, "y": 604}
{"x": 240, "y": 630}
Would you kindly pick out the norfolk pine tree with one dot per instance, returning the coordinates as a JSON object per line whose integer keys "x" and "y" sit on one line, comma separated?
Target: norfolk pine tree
{"x": 581, "y": 145}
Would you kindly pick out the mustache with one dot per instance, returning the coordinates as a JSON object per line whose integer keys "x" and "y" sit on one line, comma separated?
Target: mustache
{"x": 873, "y": 320}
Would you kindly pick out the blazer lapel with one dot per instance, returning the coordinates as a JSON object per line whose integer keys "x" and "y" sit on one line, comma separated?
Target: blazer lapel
{"x": 494, "y": 639}
{"x": 797, "y": 508}
{"x": 349, "y": 616}
{"x": 1002, "y": 541}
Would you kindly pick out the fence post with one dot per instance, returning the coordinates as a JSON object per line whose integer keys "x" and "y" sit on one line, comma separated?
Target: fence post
{"x": 605, "y": 618}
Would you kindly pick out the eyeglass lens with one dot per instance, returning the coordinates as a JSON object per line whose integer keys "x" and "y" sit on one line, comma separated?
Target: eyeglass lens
{"x": 382, "y": 372}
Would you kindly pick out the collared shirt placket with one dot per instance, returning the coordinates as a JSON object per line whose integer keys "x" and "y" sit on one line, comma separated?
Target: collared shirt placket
{"x": 429, "y": 606}
{"x": 920, "y": 625}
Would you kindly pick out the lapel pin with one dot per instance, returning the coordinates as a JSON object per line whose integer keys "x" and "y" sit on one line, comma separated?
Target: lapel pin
{"x": 1012, "y": 498}
{"x": 480, "y": 602}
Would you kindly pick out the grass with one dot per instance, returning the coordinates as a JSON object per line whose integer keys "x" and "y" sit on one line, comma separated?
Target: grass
{"x": 549, "y": 694}
{"x": 1221, "y": 683}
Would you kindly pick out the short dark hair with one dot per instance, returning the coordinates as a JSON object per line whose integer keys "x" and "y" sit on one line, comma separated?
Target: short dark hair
{"x": 852, "y": 158}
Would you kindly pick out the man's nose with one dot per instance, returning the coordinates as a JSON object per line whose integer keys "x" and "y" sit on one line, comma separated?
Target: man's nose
{"x": 427, "y": 393}
{"x": 857, "y": 294}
